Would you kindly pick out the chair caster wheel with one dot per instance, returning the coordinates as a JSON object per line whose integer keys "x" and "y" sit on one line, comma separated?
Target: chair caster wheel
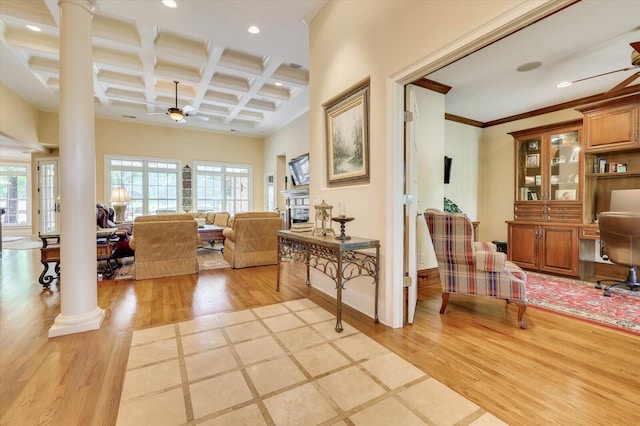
{"x": 607, "y": 294}
{"x": 598, "y": 286}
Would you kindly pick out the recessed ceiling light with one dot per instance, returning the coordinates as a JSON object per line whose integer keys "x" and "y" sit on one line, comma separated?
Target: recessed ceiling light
{"x": 563, "y": 84}
{"x": 277, "y": 83}
{"x": 34, "y": 28}
{"x": 529, "y": 66}
{"x": 170, "y": 3}
{"x": 253, "y": 29}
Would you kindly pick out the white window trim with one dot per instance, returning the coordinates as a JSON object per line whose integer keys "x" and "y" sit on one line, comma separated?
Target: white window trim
{"x": 223, "y": 165}
{"x": 29, "y": 201}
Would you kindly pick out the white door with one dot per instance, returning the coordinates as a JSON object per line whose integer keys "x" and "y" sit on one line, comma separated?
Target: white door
{"x": 410, "y": 208}
{"x": 48, "y": 202}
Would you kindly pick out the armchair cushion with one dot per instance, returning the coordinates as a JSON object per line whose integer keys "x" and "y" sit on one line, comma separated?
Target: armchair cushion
{"x": 492, "y": 261}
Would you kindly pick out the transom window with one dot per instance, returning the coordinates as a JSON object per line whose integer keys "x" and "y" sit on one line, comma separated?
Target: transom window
{"x": 222, "y": 187}
{"x": 14, "y": 194}
{"x": 152, "y": 184}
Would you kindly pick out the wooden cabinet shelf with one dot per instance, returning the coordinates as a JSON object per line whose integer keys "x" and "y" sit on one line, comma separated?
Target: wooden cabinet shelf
{"x": 613, "y": 175}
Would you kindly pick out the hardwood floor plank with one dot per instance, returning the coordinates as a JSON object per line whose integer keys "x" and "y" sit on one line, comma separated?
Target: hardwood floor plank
{"x": 559, "y": 371}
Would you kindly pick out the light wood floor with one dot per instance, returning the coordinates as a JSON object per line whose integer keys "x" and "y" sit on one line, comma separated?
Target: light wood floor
{"x": 559, "y": 371}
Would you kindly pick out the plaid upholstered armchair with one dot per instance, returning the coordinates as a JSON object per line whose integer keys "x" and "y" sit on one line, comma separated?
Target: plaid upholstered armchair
{"x": 473, "y": 268}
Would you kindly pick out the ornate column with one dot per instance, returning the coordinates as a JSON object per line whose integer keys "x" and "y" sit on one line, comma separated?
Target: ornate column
{"x": 79, "y": 309}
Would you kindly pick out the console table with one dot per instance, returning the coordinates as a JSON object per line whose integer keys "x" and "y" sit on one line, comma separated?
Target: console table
{"x": 337, "y": 259}
{"x": 50, "y": 253}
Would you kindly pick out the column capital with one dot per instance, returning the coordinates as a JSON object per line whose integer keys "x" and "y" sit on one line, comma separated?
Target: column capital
{"x": 88, "y": 5}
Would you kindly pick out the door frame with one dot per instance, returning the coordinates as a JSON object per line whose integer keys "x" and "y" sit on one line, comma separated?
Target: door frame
{"x": 518, "y": 16}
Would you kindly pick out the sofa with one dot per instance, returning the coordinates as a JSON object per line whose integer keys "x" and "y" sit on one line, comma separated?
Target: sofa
{"x": 211, "y": 218}
{"x": 165, "y": 245}
{"x": 251, "y": 239}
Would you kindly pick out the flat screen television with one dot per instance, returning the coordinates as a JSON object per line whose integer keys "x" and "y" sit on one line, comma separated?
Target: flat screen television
{"x": 299, "y": 170}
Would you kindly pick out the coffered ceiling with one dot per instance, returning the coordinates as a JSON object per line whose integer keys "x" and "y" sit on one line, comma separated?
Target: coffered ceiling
{"x": 240, "y": 82}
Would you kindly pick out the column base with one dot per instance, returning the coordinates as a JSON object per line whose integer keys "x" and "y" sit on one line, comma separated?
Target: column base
{"x": 64, "y": 325}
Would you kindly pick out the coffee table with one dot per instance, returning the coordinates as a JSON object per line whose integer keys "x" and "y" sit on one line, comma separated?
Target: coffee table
{"x": 212, "y": 234}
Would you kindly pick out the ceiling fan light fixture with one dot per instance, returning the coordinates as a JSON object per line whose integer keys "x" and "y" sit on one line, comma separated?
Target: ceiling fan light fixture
{"x": 176, "y": 114}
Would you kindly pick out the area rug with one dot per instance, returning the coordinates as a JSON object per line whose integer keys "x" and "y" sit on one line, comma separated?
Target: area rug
{"x": 582, "y": 300}
{"x": 207, "y": 259}
{"x": 22, "y": 244}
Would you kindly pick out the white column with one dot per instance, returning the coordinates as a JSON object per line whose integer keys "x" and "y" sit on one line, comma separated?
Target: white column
{"x": 79, "y": 309}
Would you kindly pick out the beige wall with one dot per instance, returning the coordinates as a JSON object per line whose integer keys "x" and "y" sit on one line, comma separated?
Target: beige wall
{"x": 18, "y": 119}
{"x": 351, "y": 41}
{"x": 289, "y": 142}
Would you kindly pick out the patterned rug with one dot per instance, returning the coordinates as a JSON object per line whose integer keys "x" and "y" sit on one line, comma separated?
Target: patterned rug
{"x": 582, "y": 300}
{"x": 207, "y": 259}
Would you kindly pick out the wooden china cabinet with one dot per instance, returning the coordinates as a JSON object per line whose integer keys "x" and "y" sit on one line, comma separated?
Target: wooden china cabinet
{"x": 548, "y": 198}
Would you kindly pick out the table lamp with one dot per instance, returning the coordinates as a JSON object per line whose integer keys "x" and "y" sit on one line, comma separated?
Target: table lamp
{"x": 119, "y": 199}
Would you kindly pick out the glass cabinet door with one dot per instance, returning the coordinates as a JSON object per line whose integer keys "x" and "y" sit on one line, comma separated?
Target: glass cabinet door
{"x": 564, "y": 166}
{"x": 530, "y": 169}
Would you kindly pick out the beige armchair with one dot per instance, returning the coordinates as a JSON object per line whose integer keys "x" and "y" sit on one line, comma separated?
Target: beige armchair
{"x": 252, "y": 239}
{"x": 165, "y": 245}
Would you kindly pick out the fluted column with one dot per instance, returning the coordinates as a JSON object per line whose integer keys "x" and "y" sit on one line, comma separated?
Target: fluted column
{"x": 79, "y": 309}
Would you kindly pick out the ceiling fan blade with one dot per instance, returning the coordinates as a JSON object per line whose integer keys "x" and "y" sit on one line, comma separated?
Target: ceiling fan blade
{"x": 187, "y": 109}
{"x": 198, "y": 117}
{"x": 182, "y": 121}
{"x": 636, "y": 46}
{"x": 625, "y": 82}
{"x": 604, "y": 73}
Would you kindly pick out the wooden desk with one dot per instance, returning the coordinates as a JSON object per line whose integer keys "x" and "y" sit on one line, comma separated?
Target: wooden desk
{"x": 50, "y": 253}
{"x": 337, "y": 259}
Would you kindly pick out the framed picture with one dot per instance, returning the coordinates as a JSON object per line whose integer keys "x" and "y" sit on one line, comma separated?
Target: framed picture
{"x": 347, "y": 126}
{"x": 565, "y": 194}
{"x": 529, "y": 180}
{"x": 533, "y": 146}
{"x": 533, "y": 160}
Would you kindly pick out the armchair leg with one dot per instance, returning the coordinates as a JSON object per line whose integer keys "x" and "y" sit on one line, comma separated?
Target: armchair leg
{"x": 522, "y": 307}
{"x": 445, "y": 300}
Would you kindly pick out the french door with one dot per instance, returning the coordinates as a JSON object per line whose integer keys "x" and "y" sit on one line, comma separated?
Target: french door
{"x": 48, "y": 202}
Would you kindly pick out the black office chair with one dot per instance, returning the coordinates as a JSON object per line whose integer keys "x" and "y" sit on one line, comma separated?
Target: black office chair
{"x": 620, "y": 233}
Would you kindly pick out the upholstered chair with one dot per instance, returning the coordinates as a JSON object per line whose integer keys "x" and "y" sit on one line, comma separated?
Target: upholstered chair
{"x": 251, "y": 239}
{"x": 473, "y": 268}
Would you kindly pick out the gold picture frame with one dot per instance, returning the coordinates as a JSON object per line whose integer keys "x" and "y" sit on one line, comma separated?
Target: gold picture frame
{"x": 347, "y": 127}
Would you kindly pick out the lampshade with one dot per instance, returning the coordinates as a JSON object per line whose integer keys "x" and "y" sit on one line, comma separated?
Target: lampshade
{"x": 119, "y": 195}
{"x": 176, "y": 114}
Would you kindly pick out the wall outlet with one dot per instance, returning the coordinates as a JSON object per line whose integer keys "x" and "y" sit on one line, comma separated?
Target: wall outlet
{"x": 421, "y": 257}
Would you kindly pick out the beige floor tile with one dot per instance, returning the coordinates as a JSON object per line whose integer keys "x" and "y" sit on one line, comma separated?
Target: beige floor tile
{"x": 202, "y": 341}
{"x": 232, "y": 318}
{"x": 216, "y": 394}
{"x": 209, "y": 363}
{"x": 276, "y": 374}
{"x": 258, "y": 350}
{"x": 386, "y": 412}
{"x": 320, "y": 359}
{"x": 140, "y": 337}
{"x": 437, "y": 402}
{"x": 246, "y": 331}
{"x": 152, "y": 378}
{"x": 208, "y": 322}
{"x": 152, "y": 352}
{"x": 360, "y": 347}
{"x": 488, "y": 419}
{"x": 283, "y": 322}
{"x": 270, "y": 310}
{"x": 328, "y": 329}
{"x": 302, "y": 405}
{"x": 245, "y": 416}
{"x": 300, "y": 338}
{"x": 166, "y": 408}
{"x": 350, "y": 387}
{"x": 392, "y": 370}
{"x": 300, "y": 304}
{"x": 315, "y": 315}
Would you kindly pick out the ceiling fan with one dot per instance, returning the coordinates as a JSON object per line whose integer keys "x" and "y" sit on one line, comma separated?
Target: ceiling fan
{"x": 179, "y": 114}
{"x": 635, "y": 63}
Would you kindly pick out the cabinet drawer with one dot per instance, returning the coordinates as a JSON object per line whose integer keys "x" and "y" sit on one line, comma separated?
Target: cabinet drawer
{"x": 564, "y": 213}
{"x": 590, "y": 232}
{"x": 528, "y": 212}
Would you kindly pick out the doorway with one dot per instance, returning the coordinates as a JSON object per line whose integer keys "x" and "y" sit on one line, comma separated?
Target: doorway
{"x": 48, "y": 200}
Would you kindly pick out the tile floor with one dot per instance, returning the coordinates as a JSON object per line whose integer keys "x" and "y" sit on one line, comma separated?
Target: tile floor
{"x": 281, "y": 364}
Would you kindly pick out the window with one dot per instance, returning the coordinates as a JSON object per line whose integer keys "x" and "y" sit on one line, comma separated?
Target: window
{"x": 152, "y": 184}
{"x": 222, "y": 187}
{"x": 14, "y": 194}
